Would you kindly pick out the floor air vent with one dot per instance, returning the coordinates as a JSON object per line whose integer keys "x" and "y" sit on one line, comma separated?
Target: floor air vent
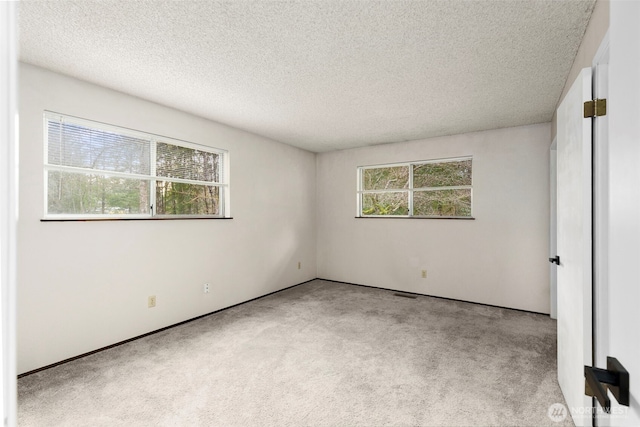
{"x": 405, "y": 296}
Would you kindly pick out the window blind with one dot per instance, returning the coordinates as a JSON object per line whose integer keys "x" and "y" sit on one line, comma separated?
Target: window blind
{"x": 75, "y": 145}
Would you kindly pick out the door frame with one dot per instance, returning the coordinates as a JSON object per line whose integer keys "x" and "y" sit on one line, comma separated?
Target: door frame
{"x": 8, "y": 208}
{"x": 618, "y": 312}
{"x": 553, "y": 227}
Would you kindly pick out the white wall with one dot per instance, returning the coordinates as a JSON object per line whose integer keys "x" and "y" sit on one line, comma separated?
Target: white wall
{"x": 500, "y": 258}
{"x": 553, "y": 228}
{"x": 623, "y": 268}
{"x": 84, "y": 285}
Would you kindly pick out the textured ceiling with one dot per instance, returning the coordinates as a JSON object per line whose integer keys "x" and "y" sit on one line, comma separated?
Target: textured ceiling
{"x": 321, "y": 75}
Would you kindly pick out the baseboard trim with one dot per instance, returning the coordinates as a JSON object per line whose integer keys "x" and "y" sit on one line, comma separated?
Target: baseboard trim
{"x": 434, "y": 296}
{"x": 254, "y": 299}
{"x": 153, "y": 332}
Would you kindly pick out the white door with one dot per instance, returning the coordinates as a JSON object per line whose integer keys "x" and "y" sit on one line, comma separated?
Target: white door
{"x": 574, "y": 247}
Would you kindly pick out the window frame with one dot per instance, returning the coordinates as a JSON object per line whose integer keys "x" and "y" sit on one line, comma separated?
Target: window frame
{"x": 410, "y": 190}
{"x": 152, "y": 178}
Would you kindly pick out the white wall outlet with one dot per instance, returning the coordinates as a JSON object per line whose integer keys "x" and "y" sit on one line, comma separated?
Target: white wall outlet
{"x": 299, "y": 265}
{"x": 424, "y": 274}
{"x": 152, "y": 301}
{"x": 205, "y": 288}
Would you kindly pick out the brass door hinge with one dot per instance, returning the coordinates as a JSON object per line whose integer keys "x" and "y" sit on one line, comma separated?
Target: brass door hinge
{"x": 595, "y": 108}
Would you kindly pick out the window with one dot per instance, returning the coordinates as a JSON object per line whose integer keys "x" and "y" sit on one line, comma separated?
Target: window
{"x": 427, "y": 189}
{"x": 94, "y": 170}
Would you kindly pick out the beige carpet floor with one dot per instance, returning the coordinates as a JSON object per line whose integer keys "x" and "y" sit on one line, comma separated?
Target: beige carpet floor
{"x": 319, "y": 354}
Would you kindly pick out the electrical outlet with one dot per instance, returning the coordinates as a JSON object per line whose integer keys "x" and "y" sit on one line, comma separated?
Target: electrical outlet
{"x": 424, "y": 274}
{"x": 299, "y": 265}
{"x": 205, "y": 288}
{"x": 152, "y": 301}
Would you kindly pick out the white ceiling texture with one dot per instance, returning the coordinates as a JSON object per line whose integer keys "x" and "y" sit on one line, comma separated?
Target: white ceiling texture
{"x": 321, "y": 75}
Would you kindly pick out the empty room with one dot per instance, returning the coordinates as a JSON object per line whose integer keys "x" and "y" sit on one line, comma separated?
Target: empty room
{"x": 321, "y": 213}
